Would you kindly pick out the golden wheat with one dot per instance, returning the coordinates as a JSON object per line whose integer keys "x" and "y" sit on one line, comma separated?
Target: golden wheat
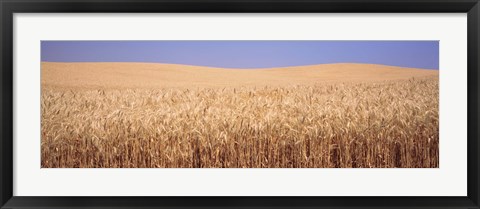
{"x": 348, "y": 125}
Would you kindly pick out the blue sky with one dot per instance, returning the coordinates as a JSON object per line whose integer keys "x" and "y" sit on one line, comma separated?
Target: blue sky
{"x": 246, "y": 54}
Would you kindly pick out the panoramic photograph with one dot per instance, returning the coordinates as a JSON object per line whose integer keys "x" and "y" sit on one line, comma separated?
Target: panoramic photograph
{"x": 239, "y": 104}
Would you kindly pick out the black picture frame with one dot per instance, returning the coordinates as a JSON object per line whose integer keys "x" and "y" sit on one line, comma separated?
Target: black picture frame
{"x": 9, "y": 7}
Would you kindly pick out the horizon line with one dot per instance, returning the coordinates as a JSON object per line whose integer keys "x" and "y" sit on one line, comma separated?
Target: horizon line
{"x": 206, "y": 66}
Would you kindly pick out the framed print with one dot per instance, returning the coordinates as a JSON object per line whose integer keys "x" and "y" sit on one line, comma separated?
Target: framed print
{"x": 239, "y": 104}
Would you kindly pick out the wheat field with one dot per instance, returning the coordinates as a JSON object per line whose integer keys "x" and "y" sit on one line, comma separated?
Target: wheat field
{"x": 380, "y": 119}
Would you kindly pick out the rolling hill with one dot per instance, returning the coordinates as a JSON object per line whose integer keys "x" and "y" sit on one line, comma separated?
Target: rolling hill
{"x": 152, "y": 75}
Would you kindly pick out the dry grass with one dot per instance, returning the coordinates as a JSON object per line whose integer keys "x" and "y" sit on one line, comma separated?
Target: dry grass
{"x": 350, "y": 124}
